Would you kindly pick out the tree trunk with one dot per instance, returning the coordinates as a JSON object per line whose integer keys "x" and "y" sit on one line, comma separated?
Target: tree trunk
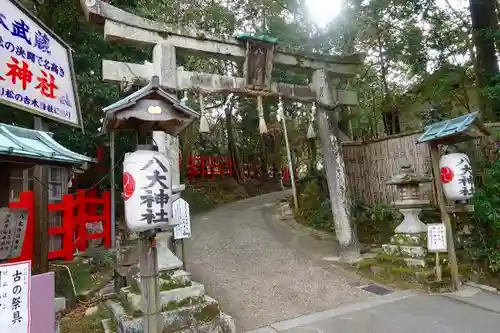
{"x": 484, "y": 20}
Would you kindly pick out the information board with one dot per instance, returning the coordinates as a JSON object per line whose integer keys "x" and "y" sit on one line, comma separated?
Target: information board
{"x": 436, "y": 237}
{"x": 181, "y": 216}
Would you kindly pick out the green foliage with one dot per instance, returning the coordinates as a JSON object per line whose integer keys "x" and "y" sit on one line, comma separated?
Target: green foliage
{"x": 376, "y": 224}
{"x": 486, "y": 244}
{"x": 314, "y": 206}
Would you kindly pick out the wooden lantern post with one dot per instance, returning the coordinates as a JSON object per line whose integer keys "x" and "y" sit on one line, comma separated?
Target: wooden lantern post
{"x": 448, "y": 132}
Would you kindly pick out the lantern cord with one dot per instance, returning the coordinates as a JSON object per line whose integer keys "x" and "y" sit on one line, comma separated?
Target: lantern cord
{"x": 95, "y": 184}
{"x": 73, "y": 284}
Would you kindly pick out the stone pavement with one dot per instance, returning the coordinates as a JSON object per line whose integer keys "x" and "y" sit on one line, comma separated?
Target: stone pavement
{"x": 468, "y": 311}
{"x": 262, "y": 271}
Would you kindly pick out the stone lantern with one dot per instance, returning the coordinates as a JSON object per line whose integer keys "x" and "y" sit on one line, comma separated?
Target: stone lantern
{"x": 410, "y": 236}
{"x": 409, "y": 204}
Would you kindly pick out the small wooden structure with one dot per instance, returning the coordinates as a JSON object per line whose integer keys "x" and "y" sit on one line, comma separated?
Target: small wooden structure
{"x": 22, "y": 148}
{"x": 258, "y": 65}
{"x": 452, "y": 131}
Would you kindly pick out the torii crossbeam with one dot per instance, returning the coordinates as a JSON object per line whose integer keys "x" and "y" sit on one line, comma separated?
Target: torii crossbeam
{"x": 124, "y": 27}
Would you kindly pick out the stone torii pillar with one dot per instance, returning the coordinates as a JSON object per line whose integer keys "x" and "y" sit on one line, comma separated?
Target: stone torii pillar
{"x": 123, "y": 27}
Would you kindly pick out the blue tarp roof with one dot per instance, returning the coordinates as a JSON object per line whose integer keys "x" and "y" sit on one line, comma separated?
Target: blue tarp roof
{"x": 38, "y": 145}
{"x": 450, "y": 127}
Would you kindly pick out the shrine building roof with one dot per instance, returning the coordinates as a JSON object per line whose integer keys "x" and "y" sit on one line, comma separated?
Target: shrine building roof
{"x": 18, "y": 144}
{"x": 466, "y": 127}
{"x": 260, "y": 36}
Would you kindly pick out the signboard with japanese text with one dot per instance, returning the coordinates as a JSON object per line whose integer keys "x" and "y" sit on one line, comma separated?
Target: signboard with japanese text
{"x": 436, "y": 237}
{"x": 12, "y": 231}
{"x": 182, "y": 217}
{"x": 36, "y": 68}
{"x": 15, "y": 297}
{"x": 147, "y": 190}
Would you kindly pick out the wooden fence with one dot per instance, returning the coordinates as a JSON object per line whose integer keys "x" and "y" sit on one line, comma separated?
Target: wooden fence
{"x": 369, "y": 164}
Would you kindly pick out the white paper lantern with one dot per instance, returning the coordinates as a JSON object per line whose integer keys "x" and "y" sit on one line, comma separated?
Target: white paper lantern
{"x": 147, "y": 190}
{"x": 456, "y": 176}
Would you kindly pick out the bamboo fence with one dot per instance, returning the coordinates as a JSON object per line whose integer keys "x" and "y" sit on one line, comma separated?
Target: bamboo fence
{"x": 370, "y": 163}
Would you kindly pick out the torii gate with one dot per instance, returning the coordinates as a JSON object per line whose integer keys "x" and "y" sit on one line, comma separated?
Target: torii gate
{"x": 123, "y": 27}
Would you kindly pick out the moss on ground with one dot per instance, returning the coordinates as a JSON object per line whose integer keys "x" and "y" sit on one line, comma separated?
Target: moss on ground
{"x": 188, "y": 301}
{"x": 88, "y": 274}
{"x": 207, "y": 313}
{"x": 171, "y": 284}
{"x": 80, "y": 323}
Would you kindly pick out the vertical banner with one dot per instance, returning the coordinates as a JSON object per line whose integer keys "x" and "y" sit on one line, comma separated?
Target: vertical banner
{"x": 15, "y": 297}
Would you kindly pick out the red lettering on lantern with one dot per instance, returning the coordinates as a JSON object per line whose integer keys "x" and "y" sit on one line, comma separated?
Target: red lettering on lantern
{"x": 128, "y": 185}
{"x": 446, "y": 175}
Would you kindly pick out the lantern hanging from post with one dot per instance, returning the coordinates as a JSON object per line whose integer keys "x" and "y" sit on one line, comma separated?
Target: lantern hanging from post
{"x": 147, "y": 183}
{"x": 204, "y": 127}
{"x": 456, "y": 176}
{"x": 311, "y": 134}
{"x": 262, "y": 121}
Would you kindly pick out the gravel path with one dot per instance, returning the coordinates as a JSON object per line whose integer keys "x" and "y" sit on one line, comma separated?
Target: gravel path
{"x": 263, "y": 271}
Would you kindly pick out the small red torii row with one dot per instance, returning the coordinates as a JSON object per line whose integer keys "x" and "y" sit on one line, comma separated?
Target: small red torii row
{"x": 211, "y": 166}
{"x": 207, "y": 167}
{"x": 73, "y": 229}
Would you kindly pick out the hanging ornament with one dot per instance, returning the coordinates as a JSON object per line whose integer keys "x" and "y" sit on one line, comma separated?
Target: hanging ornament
{"x": 262, "y": 121}
{"x": 311, "y": 134}
{"x": 184, "y": 99}
{"x": 280, "y": 114}
{"x": 204, "y": 128}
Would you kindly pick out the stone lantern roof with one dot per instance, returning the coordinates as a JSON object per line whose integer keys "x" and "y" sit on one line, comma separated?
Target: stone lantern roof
{"x": 407, "y": 176}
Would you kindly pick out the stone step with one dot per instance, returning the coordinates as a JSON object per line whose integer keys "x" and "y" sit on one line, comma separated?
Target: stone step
{"x": 195, "y": 289}
{"x": 178, "y": 294}
{"x": 191, "y": 314}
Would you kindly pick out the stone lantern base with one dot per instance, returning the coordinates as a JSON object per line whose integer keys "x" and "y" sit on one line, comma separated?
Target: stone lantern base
{"x": 410, "y": 240}
{"x": 411, "y": 247}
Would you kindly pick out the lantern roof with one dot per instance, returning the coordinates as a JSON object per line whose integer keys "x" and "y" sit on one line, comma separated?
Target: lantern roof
{"x": 463, "y": 128}
{"x": 23, "y": 145}
{"x": 114, "y": 118}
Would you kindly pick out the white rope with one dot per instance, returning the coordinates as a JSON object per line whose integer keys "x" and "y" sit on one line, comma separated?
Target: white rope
{"x": 311, "y": 134}
{"x": 262, "y": 121}
{"x": 204, "y": 127}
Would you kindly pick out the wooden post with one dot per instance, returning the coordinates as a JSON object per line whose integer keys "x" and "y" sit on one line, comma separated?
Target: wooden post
{"x": 40, "y": 262}
{"x": 445, "y": 217}
{"x": 334, "y": 165}
{"x": 148, "y": 266}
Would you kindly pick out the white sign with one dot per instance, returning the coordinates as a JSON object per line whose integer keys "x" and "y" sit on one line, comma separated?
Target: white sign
{"x": 181, "y": 215}
{"x": 147, "y": 190}
{"x": 15, "y": 297}
{"x": 12, "y": 232}
{"x": 36, "y": 68}
{"x": 436, "y": 237}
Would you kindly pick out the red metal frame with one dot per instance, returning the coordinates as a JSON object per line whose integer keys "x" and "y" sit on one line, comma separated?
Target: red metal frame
{"x": 73, "y": 229}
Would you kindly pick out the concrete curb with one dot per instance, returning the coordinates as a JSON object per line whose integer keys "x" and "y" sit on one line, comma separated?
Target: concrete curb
{"x": 483, "y": 287}
{"x": 322, "y": 315}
